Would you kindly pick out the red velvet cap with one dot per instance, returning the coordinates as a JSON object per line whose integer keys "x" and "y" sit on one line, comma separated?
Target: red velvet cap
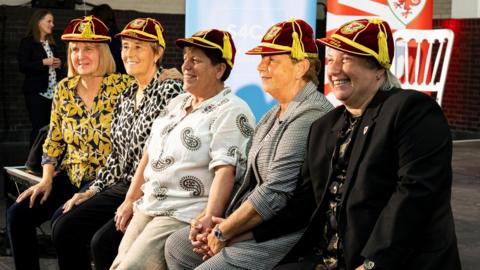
{"x": 86, "y": 29}
{"x": 212, "y": 39}
{"x": 364, "y": 37}
{"x": 144, "y": 29}
{"x": 292, "y": 36}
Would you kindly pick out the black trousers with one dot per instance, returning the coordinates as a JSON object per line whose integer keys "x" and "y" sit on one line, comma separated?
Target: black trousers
{"x": 39, "y": 109}
{"x": 22, "y": 221}
{"x": 90, "y": 226}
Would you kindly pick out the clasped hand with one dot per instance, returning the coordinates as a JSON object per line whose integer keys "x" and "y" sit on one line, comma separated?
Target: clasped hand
{"x": 202, "y": 238}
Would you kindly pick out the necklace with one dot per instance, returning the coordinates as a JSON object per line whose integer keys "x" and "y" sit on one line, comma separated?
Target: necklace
{"x": 353, "y": 120}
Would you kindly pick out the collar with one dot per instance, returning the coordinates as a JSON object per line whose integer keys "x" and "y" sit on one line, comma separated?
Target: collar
{"x": 208, "y": 103}
{"x": 308, "y": 90}
{"x": 129, "y": 91}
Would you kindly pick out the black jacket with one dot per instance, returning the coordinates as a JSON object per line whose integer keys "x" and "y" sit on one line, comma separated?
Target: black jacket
{"x": 30, "y": 56}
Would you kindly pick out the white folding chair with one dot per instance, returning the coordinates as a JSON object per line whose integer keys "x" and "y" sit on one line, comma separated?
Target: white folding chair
{"x": 421, "y": 75}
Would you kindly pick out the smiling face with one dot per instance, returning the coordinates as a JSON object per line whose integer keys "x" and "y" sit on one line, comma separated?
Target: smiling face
{"x": 352, "y": 79}
{"x": 199, "y": 73}
{"x": 85, "y": 57}
{"x": 139, "y": 57}
{"x": 45, "y": 25}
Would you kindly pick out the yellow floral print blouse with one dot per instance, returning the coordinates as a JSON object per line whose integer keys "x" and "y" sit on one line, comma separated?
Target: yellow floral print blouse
{"x": 82, "y": 137}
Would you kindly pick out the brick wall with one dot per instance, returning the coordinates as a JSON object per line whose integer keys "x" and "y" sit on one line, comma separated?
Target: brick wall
{"x": 14, "y": 123}
{"x": 461, "y": 102}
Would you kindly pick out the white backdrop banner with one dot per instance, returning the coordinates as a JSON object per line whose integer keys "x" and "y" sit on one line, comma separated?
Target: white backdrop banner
{"x": 247, "y": 21}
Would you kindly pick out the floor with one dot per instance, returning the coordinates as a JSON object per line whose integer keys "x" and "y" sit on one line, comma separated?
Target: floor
{"x": 465, "y": 203}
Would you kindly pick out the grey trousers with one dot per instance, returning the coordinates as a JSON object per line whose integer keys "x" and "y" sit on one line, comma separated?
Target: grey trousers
{"x": 241, "y": 255}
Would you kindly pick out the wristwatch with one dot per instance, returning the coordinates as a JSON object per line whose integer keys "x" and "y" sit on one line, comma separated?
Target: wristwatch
{"x": 218, "y": 234}
{"x": 368, "y": 265}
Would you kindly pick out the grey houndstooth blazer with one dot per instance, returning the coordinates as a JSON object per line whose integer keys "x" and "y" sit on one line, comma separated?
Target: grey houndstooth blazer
{"x": 273, "y": 167}
{"x": 277, "y": 153}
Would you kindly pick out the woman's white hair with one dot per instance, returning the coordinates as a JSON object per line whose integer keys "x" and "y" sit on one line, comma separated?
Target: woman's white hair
{"x": 391, "y": 81}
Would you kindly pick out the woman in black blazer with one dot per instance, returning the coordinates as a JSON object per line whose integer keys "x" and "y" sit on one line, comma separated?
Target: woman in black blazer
{"x": 37, "y": 60}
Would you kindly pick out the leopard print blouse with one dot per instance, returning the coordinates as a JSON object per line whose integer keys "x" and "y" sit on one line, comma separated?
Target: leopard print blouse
{"x": 131, "y": 129}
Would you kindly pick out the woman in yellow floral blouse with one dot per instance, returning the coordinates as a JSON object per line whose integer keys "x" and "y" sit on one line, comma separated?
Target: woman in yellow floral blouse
{"x": 78, "y": 142}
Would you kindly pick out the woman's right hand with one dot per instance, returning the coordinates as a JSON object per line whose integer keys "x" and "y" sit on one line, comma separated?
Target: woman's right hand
{"x": 52, "y": 61}
{"x": 199, "y": 230}
{"x": 77, "y": 199}
{"x": 123, "y": 215}
{"x": 44, "y": 187}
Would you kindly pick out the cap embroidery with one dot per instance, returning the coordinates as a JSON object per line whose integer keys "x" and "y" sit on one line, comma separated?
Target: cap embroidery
{"x": 352, "y": 28}
{"x": 138, "y": 23}
{"x": 272, "y": 33}
{"x": 82, "y": 26}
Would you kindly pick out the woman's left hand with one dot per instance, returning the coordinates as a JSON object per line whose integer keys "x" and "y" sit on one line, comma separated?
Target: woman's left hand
{"x": 77, "y": 199}
{"x": 214, "y": 244}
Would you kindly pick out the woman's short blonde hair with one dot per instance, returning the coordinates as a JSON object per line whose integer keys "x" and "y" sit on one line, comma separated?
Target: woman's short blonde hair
{"x": 312, "y": 73}
{"x": 106, "y": 64}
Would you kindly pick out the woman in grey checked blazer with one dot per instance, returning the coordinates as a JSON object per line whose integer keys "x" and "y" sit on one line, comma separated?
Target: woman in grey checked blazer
{"x": 288, "y": 68}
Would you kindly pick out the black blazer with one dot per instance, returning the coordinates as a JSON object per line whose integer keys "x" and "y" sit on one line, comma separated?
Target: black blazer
{"x": 396, "y": 207}
{"x": 30, "y": 56}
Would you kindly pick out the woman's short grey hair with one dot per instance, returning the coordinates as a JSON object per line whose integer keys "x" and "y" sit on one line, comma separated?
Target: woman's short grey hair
{"x": 391, "y": 81}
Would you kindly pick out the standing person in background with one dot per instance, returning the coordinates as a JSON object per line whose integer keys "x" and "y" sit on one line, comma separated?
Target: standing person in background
{"x": 38, "y": 60}
{"x": 87, "y": 221}
{"x": 79, "y": 131}
{"x": 106, "y": 14}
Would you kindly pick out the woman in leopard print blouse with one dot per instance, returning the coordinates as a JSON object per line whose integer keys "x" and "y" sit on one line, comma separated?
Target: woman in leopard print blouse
{"x": 88, "y": 216}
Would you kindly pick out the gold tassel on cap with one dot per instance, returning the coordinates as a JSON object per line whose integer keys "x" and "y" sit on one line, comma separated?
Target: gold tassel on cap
{"x": 297, "y": 51}
{"x": 383, "y": 57}
{"x": 87, "y": 30}
{"x": 227, "y": 47}
{"x": 161, "y": 41}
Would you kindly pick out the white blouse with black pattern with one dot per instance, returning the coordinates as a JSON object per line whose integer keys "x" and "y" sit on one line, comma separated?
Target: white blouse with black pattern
{"x": 184, "y": 148}
{"x": 131, "y": 128}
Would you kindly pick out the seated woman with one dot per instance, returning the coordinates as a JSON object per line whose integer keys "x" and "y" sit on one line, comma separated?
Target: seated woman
{"x": 289, "y": 69}
{"x": 88, "y": 216}
{"x": 79, "y": 132}
{"x": 192, "y": 155}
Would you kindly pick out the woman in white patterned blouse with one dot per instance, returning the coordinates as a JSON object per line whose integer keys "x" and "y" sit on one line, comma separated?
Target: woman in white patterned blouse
{"x": 192, "y": 156}
{"x": 88, "y": 216}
